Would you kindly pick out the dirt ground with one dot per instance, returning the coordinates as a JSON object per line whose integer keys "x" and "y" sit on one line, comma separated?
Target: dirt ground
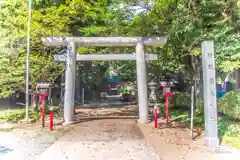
{"x": 115, "y": 127}
{"x": 174, "y": 142}
{"x": 171, "y": 141}
{"x": 105, "y": 139}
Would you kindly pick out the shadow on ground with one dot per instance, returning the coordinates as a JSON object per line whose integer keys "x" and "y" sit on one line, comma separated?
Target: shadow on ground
{"x": 115, "y": 112}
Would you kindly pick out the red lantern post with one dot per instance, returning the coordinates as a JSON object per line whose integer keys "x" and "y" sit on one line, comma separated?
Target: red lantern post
{"x": 43, "y": 96}
{"x": 51, "y": 120}
{"x": 167, "y": 93}
{"x": 155, "y": 117}
{"x": 43, "y": 89}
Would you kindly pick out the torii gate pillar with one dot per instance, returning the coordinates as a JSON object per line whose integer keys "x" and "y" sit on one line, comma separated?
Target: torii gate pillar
{"x": 142, "y": 83}
{"x": 70, "y": 83}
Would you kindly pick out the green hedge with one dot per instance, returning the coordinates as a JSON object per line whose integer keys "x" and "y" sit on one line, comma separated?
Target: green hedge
{"x": 229, "y": 104}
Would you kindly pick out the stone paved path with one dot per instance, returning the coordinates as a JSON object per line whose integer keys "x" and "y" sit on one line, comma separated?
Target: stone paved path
{"x": 101, "y": 140}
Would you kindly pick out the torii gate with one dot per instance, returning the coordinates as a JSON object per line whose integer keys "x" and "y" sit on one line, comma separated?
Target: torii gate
{"x": 208, "y": 62}
{"x": 140, "y": 56}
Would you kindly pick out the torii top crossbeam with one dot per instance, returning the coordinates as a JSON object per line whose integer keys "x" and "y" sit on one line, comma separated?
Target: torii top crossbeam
{"x": 104, "y": 41}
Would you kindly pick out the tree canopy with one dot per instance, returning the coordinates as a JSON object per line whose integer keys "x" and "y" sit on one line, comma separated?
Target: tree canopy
{"x": 48, "y": 19}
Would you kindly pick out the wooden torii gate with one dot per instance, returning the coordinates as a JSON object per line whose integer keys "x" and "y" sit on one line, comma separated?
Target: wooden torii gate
{"x": 73, "y": 42}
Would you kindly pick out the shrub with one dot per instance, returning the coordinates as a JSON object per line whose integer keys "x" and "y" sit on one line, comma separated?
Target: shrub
{"x": 228, "y": 127}
{"x": 200, "y": 106}
{"x": 229, "y": 104}
{"x": 183, "y": 100}
{"x": 229, "y": 131}
{"x": 173, "y": 99}
{"x": 180, "y": 99}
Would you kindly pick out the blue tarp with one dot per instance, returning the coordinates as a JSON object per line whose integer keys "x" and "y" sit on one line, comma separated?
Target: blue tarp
{"x": 4, "y": 149}
{"x": 222, "y": 90}
{"x": 114, "y": 79}
{"x": 220, "y": 94}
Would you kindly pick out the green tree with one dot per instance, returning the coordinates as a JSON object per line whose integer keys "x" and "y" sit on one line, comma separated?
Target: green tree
{"x": 186, "y": 24}
{"x": 48, "y": 19}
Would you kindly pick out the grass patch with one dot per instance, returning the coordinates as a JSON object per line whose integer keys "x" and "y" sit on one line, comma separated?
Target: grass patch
{"x": 233, "y": 141}
{"x": 6, "y": 129}
{"x": 5, "y": 112}
{"x": 183, "y": 115}
{"x": 4, "y": 109}
{"x": 14, "y": 115}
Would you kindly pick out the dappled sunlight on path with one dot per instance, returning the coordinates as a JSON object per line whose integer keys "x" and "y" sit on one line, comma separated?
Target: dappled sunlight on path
{"x": 102, "y": 140}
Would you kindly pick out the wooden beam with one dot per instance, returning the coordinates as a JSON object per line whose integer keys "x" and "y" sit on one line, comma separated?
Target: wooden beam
{"x": 104, "y": 41}
{"x": 105, "y": 57}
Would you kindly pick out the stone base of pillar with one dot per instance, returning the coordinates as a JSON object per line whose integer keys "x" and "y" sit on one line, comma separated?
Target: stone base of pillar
{"x": 211, "y": 142}
{"x": 68, "y": 123}
{"x": 143, "y": 121}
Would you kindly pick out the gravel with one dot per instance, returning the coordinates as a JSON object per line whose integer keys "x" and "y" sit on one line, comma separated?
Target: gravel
{"x": 105, "y": 139}
{"x": 24, "y": 145}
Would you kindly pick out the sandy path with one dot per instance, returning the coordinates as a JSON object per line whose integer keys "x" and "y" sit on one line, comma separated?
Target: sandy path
{"x": 102, "y": 140}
